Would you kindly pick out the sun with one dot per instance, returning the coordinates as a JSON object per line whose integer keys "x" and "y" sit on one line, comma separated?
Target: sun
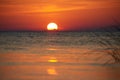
{"x": 52, "y": 26}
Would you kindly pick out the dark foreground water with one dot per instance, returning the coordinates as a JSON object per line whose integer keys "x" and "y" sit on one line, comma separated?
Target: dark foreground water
{"x": 57, "y": 56}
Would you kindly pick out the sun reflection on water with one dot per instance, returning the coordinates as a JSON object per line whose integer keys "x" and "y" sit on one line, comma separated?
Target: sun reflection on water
{"x": 52, "y": 60}
{"x": 52, "y": 70}
{"x": 52, "y": 49}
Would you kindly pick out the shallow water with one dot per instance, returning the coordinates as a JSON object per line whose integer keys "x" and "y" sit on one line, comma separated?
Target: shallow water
{"x": 56, "y": 56}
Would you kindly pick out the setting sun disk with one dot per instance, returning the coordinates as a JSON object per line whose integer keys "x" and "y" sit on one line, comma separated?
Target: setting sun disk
{"x": 52, "y": 26}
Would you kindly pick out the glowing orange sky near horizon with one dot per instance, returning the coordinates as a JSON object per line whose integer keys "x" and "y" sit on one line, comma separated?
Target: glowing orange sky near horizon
{"x": 68, "y": 14}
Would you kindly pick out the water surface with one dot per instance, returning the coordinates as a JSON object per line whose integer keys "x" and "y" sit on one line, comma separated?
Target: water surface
{"x": 56, "y": 56}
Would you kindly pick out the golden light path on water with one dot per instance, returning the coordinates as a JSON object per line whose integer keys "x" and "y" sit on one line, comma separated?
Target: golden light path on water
{"x": 52, "y": 70}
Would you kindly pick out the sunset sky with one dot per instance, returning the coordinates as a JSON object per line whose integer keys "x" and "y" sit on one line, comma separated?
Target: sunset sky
{"x": 34, "y": 15}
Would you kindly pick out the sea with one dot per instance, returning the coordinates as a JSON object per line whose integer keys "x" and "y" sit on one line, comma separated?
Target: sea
{"x": 59, "y": 55}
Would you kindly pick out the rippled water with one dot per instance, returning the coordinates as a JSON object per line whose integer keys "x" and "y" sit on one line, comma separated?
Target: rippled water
{"x": 56, "y": 56}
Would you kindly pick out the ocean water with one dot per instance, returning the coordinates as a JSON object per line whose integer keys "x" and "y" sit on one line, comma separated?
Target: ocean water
{"x": 58, "y": 56}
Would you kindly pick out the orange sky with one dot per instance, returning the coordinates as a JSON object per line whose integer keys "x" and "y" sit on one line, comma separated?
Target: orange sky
{"x": 68, "y": 14}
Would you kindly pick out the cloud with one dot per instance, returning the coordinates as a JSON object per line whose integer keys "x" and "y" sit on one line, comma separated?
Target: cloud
{"x": 44, "y": 6}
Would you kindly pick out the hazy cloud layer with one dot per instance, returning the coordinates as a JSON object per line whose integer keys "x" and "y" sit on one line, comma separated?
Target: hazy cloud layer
{"x": 33, "y": 6}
